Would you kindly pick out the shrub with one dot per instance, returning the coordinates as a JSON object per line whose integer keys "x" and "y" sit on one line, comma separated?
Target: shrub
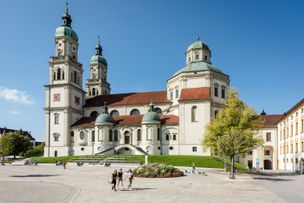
{"x": 157, "y": 170}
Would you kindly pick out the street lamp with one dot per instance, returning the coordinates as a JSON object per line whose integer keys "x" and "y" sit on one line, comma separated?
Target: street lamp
{"x": 148, "y": 148}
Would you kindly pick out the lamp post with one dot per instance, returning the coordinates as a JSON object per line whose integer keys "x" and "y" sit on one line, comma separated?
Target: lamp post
{"x": 148, "y": 148}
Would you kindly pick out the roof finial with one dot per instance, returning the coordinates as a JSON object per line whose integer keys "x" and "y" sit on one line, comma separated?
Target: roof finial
{"x": 198, "y": 38}
{"x": 66, "y": 6}
{"x": 98, "y": 46}
{"x": 98, "y": 39}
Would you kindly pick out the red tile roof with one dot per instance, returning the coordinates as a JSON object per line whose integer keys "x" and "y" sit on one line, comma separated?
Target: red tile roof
{"x": 271, "y": 120}
{"x": 195, "y": 93}
{"x": 126, "y": 120}
{"x": 136, "y": 98}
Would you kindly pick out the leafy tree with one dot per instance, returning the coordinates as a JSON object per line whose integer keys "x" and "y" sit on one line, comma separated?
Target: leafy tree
{"x": 35, "y": 151}
{"x": 6, "y": 147}
{"x": 232, "y": 132}
{"x": 20, "y": 142}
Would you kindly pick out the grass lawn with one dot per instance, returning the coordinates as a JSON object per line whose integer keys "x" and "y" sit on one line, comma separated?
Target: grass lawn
{"x": 175, "y": 160}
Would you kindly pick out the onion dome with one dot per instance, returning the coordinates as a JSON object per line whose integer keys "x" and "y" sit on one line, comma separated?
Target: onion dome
{"x": 66, "y": 28}
{"x": 198, "y": 44}
{"x": 98, "y": 58}
{"x": 104, "y": 118}
{"x": 151, "y": 116}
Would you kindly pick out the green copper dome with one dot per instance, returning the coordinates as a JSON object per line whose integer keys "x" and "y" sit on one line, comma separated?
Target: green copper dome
{"x": 151, "y": 116}
{"x": 198, "y": 44}
{"x": 98, "y": 59}
{"x": 198, "y": 66}
{"x": 66, "y": 31}
{"x": 104, "y": 118}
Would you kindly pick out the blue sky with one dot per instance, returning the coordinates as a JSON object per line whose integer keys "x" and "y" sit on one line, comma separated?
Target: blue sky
{"x": 258, "y": 43}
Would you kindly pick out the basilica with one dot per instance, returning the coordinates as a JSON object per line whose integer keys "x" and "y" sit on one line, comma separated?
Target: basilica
{"x": 91, "y": 120}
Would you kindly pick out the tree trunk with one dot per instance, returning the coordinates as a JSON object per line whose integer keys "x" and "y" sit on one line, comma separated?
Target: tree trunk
{"x": 2, "y": 160}
{"x": 232, "y": 175}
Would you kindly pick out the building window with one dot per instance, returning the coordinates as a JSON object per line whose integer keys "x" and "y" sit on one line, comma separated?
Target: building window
{"x": 268, "y": 137}
{"x": 250, "y": 153}
{"x": 171, "y": 95}
{"x": 134, "y": 112}
{"x": 291, "y": 130}
{"x": 82, "y": 149}
{"x": 139, "y": 135}
{"x": 94, "y": 114}
{"x": 194, "y": 149}
{"x": 302, "y": 146}
{"x": 62, "y": 75}
{"x": 267, "y": 152}
{"x": 158, "y": 134}
{"x": 302, "y": 125}
{"x": 215, "y": 113}
{"x": 110, "y": 135}
{"x": 54, "y": 75}
{"x": 189, "y": 59}
{"x": 297, "y": 128}
{"x": 296, "y": 150}
{"x": 56, "y": 137}
{"x": 55, "y": 153}
{"x": 171, "y": 148}
{"x": 291, "y": 148}
{"x": 93, "y": 91}
{"x": 174, "y": 137}
{"x": 176, "y": 93}
{"x": 167, "y": 137}
{"x": 81, "y": 135}
{"x": 223, "y": 92}
{"x": 194, "y": 114}
{"x": 56, "y": 118}
{"x": 58, "y": 73}
{"x": 196, "y": 56}
{"x": 93, "y": 136}
{"x": 114, "y": 113}
{"x": 206, "y": 57}
{"x": 216, "y": 90}
{"x": 115, "y": 135}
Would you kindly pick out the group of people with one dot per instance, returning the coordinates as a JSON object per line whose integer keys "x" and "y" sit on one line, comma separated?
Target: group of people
{"x": 117, "y": 179}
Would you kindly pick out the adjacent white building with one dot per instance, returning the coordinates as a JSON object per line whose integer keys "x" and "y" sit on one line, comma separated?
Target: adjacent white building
{"x": 172, "y": 121}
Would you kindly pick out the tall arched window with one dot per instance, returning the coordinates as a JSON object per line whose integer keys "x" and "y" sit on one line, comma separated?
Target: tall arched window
{"x": 223, "y": 92}
{"x": 54, "y": 75}
{"x": 62, "y": 75}
{"x": 72, "y": 137}
{"x": 134, "y": 112}
{"x": 93, "y": 136}
{"x": 110, "y": 135}
{"x": 81, "y": 135}
{"x": 194, "y": 114}
{"x": 93, "y": 91}
{"x": 216, "y": 90}
{"x": 94, "y": 114}
{"x": 55, "y": 153}
{"x": 158, "y": 134}
{"x": 114, "y": 113}
{"x": 139, "y": 135}
{"x": 75, "y": 76}
{"x": 115, "y": 135}
{"x": 58, "y": 74}
{"x": 56, "y": 118}
{"x": 72, "y": 77}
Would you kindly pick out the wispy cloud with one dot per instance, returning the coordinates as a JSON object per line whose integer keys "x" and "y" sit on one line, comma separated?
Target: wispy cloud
{"x": 15, "y": 95}
{"x": 15, "y": 112}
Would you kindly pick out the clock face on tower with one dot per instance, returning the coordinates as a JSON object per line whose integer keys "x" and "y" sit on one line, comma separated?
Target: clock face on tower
{"x": 56, "y": 97}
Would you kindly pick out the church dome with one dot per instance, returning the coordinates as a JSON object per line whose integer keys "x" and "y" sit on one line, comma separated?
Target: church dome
{"x": 197, "y": 67}
{"x": 98, "y": 59}
{"x": 151, "y": 115}
{"x": 198, "y": 44}
{"x": 66, "y": 31}
{"x": 104, "y": 118}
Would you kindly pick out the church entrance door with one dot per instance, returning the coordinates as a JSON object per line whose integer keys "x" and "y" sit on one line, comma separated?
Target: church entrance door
{"x": 127, "y": 137}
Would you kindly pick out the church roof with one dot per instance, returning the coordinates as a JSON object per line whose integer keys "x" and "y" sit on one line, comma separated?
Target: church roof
{"x": 270, "y": 121}
{"x": 127, "y": 120}
{"x": 136, "y": 98}
{"x": 195, "y": 93}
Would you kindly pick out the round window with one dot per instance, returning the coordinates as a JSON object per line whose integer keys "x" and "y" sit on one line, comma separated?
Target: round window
{"x": 82, "y": 149}
{"x": 81, "y": 135}
{"x": 171, "y": 148}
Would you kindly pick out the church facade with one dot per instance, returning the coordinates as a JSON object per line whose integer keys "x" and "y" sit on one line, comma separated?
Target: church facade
{"x": 94, "y": 121}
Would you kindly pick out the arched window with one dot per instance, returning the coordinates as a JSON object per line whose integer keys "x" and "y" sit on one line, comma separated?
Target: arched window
{"x": 72, "y": 136}
{"x": 75, "y": 76}
{"x": 54, "y": 75}
{"x": 139, "y": 135}
{"x": 81, "y": 135}
{"x": 58, "y": 74}
{"x": 56, "y": 118}
{"x": 72, "y": 77}
{"x": 62, "y": 75}
{"x": 215, "y": 113}
{"x": 96, "y": 92}
{"x": 134, "y": 112}
{"x": 223, "y": 92}
{"x": 194, "y": 115}
{"x": 158, "y": 134}
{"x": 94, "y": 114}
{"x": 93, "y": 92}
{"x": 158, "y": 110}
{"x": 55, "y": 153}
{"x": 93, "y": 136}
{"x": 56, "y": 137}
{"x": 115, "y": 135}
{"x": 216, "y": 90}
{"x": 110, "y": 135}
{"x": 114, "y": 113}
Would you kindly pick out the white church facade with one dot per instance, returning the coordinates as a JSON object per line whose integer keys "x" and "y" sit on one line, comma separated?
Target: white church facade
{"x": 94, "y": 121}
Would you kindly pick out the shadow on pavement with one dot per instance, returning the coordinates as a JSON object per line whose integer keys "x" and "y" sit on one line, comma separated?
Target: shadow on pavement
{"x": 34, "y": 175}
{"x": 272, "y": 179}
{"x": 138, "y": 189}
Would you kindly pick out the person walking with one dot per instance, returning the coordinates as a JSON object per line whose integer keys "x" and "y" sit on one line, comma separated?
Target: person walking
{"x": 64, "y": 164}
{"x": 193, "y": 168}
{"x": 119, "y": 176}
{"x": 130, "y": 178}
{"x": 114, "y": 178}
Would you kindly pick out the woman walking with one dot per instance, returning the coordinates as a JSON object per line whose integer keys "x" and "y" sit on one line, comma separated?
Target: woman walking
{"x": 114, "y": 177}
{"x": 119, "y": 176}
{"x": 130, "y": 178}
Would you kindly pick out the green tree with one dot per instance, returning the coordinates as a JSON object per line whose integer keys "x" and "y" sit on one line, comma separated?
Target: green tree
{"x": 232, "y": 132}
{"x": 21, "y": 143}
{"x": 6, "y": 147}
{"x": 35, "y": 151}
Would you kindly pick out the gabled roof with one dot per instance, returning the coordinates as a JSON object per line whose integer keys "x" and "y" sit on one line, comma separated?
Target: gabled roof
{"x": 195, "y": 93}
{"x": 127, "y": 120}
{"x": 136, "y": 98}
{"x": 270, "y": 121}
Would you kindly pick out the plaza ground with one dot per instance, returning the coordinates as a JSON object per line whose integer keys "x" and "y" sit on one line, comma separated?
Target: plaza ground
{"x": 50, "y": 183}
